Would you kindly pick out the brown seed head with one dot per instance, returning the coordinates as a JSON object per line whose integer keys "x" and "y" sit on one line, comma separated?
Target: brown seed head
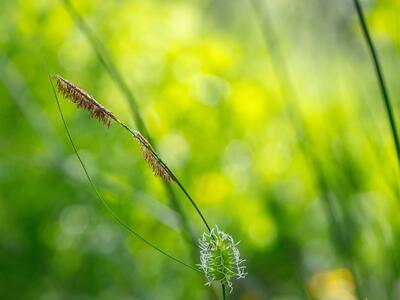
{"x": 158, "y": 167}
{"x": 83, "y": 100}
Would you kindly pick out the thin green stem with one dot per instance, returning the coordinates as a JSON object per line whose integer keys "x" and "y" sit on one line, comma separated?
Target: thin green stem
{"x": 223, "y": 292}
{"x": 101, "y": 198}
{"x": 380, "y": 77}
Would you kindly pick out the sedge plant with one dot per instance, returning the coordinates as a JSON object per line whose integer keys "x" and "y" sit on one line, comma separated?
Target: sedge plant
{"x": 219, "y": 256}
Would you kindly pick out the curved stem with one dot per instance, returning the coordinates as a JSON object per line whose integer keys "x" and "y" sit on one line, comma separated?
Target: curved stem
{"x": 380, "y": 77}
{"x": 100, "y": 196}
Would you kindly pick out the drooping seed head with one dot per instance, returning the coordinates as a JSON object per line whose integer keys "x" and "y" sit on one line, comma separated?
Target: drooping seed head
{"x": 158, "y": 167}
{"x": 220, "y": 258}
{"x": 83, "y": 100}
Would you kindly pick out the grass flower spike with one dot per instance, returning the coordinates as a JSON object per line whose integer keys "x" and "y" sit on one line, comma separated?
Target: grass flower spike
{"x": 220, "y": 258}
{"x": 83, "y": 100}
{"x": 158, "y": 167}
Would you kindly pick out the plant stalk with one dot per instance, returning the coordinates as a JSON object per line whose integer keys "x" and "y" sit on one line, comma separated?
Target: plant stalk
{"x": 380, "y": 77}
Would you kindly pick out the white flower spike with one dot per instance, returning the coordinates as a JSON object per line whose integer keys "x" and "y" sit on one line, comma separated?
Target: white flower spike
{"x": 220, "y": 258}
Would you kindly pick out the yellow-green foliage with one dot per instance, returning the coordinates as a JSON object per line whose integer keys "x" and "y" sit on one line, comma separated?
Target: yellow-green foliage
{"x": 210, "y": 92}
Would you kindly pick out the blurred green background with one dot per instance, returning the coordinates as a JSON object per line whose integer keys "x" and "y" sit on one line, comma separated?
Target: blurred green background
{"x": 269, "y": 113}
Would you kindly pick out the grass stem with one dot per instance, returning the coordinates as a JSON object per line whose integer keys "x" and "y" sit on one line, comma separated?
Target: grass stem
{"x": 115, "y": 75}
{"x": 380, "y": 77}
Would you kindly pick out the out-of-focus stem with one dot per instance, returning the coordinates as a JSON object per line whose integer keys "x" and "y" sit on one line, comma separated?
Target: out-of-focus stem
{"x": 380, "y": 77}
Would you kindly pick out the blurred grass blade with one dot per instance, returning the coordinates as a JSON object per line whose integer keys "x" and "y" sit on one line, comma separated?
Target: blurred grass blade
{"x": 380, "y": 77}
{"x": 338, "y": 234}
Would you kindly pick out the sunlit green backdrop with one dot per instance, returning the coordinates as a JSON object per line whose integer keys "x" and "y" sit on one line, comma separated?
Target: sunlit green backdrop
{"x": 267, "y": 110}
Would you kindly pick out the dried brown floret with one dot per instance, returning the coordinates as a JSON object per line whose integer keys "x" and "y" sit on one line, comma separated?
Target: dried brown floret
{"x": 158, "y": 167}
{"x": 83, "y": 100}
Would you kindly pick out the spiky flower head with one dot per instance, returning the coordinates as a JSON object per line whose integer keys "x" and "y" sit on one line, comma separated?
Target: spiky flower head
{"x": 220, "y": 258}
